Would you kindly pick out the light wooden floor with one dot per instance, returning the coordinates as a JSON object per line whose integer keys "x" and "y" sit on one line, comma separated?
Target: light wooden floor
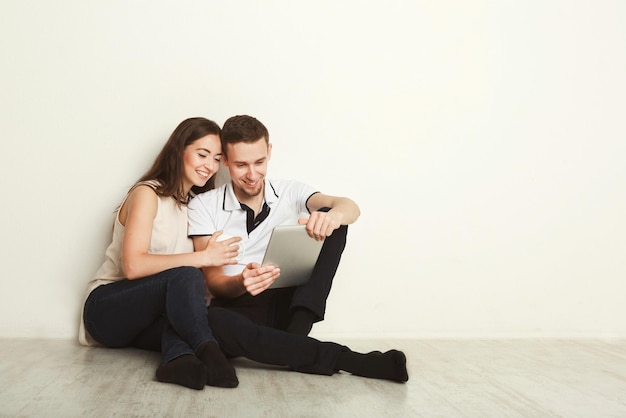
{"x": 448, "y": 378}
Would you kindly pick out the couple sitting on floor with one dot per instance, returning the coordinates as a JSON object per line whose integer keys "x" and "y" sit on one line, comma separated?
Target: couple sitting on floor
{"x": 166, "y": 260}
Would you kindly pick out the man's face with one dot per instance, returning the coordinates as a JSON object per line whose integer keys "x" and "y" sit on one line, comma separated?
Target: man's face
{"x": 247, "y": 164}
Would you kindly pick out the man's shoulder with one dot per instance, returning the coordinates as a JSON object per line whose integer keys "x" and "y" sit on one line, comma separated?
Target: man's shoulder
{"x": 289, "y": 191}
{"x": 284, "y": 184}
{"x": 207, "y": 197}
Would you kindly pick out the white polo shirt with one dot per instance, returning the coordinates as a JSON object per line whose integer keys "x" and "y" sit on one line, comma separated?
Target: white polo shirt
{"x": 219, "y": 209}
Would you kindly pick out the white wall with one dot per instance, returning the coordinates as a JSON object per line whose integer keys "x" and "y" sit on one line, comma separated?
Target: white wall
{"x": 484, "y": 141}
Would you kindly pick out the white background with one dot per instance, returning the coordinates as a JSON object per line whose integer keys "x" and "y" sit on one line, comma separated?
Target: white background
{"x": 484, "y": 141}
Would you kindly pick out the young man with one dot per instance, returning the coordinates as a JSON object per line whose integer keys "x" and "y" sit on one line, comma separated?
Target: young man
{"x": 250, "y": 206}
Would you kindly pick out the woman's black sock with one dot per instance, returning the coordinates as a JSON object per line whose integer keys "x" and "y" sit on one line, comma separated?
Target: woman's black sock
{"x": 185, "y": 370}
{"x": 220, "y": 372}
{"x": 390, "y": 365}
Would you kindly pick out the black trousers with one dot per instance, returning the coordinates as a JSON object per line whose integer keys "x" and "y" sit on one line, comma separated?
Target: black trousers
{"x": 240, "y": 337}
{"x": 253, "y": 326}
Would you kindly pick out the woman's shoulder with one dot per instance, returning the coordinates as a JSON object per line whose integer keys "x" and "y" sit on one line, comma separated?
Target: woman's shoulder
{"x": 142, "y": 198}
{"x": 143, "y": 190}
{"x": 152, "y": 184}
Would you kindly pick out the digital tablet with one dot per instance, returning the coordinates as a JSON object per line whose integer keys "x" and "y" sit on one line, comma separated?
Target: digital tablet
{"x": 294, "y": 252}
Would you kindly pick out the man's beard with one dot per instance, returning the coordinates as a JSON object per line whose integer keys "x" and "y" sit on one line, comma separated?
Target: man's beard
{"x": 252, "y": 193}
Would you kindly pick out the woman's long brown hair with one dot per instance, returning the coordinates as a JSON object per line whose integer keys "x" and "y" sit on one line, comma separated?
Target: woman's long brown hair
{"x": 168, "y": 166}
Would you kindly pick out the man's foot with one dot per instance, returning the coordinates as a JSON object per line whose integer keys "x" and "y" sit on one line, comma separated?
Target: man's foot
{"x": 390, "y": 365}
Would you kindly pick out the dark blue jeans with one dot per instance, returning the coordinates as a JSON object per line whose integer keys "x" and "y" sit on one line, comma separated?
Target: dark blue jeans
{"x": 118, "y": 313}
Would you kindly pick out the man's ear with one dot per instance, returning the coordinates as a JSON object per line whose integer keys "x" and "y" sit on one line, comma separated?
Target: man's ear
{"x": 269, "y": 151}
{"x": 224, "y": 158}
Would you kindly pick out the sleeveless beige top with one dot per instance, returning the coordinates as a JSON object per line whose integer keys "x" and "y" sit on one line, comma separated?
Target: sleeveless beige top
{"x": 169, "y": 236}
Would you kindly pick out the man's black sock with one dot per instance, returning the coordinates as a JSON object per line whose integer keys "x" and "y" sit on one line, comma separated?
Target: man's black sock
{"x": 301, "y": 322}
{"x": 185, "y": 370}
{"x": 390, "y": 365}
{"x": 220, "y": 372}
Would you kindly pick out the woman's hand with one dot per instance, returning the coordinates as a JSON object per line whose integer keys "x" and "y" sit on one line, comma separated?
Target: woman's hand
{"x": 219, "y": 253}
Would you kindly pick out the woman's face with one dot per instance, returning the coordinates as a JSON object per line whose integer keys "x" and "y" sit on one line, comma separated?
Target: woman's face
{"x": 201, "y": 159}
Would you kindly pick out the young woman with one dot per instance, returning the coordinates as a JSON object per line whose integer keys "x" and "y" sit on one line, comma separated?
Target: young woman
{"x": 151, "y": 279}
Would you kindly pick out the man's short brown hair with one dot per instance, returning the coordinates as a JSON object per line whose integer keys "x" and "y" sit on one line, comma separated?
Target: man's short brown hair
{"x": 242, "y": 128}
